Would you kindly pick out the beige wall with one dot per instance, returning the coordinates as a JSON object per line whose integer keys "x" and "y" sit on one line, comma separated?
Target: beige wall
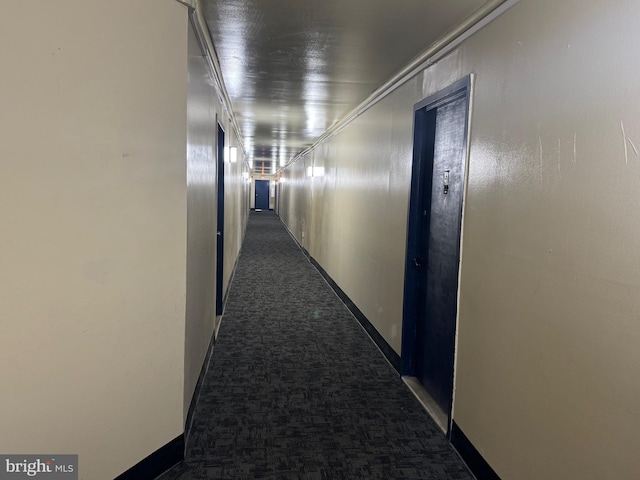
{"x": 549, "y": 329}
{"x": 295, "y": 193}
{"x": 548, "y": 356}
{"x": 92, "y": 245}
{"x": 352, "y": 219}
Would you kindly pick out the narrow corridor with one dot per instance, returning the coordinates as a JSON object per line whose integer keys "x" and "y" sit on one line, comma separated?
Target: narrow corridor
{"x": 297, "y": 390}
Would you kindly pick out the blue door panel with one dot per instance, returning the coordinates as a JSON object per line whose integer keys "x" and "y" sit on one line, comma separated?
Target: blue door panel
{"x": 262, "y": 195}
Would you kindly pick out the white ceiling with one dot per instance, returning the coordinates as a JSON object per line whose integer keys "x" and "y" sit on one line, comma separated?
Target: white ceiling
{"x": 293, "y": 68}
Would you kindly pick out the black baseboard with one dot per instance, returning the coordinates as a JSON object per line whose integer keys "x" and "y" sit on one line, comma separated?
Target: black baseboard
{"x": 173, "y": 452}
{"x": 196, "y": 391}
{"x": 385, "y": 348}
{"x": 478, "y": 465}
{"x": 158, "y": 462}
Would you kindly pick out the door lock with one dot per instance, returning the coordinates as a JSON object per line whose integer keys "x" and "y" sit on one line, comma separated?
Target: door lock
{"x": 445, "y": 182}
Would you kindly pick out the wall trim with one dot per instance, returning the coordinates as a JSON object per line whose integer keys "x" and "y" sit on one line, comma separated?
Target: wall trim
{"x": 188, "y": 424}
{"x": 476, "y": 463}
{"x": 158, "y": 462}
{"x": 186, "y": 3}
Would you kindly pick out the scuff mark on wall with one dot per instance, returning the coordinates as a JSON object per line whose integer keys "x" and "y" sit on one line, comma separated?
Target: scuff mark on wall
{"x": 444, "y": 72}
{"x": 635, "y": 150}
{"x": 624, "y": 140}
{"x": 575, "y": 149}
{"x": 559, "y": 167}
{"x": 540, "y": 147}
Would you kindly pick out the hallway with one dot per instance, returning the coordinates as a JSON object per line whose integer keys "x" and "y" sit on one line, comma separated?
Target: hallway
{"x": 295, "y": 388}
{"x": 135, "y": 130}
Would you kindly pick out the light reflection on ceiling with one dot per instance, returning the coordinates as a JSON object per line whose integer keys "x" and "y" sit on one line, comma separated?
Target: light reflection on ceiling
{"x": 293, "y": 68}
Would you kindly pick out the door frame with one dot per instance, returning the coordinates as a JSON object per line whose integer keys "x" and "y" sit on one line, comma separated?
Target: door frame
{"x": 220, "y": 146}
{"x": 422, "y": 168}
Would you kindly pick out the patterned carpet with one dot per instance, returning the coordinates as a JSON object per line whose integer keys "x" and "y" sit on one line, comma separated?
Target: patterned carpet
{"x": 296, "y": 389}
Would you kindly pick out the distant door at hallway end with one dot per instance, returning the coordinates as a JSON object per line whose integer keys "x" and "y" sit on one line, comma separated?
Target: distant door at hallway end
{"x": 262, "y": 195}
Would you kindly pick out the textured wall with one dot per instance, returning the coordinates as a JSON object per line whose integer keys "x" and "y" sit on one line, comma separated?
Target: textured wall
{"x": 93, "y": 244}
{"x": 548, "y": 321}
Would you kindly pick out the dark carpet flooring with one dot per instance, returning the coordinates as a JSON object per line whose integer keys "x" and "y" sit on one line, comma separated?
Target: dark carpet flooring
{"x": 297, "y": 390}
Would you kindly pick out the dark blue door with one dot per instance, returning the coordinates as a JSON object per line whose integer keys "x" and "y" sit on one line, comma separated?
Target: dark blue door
{"x": 262, "y": 194}
{"x": 438, "y": 255}
{"x": 433, "y": 248}
{"x": 220, "y": 223}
